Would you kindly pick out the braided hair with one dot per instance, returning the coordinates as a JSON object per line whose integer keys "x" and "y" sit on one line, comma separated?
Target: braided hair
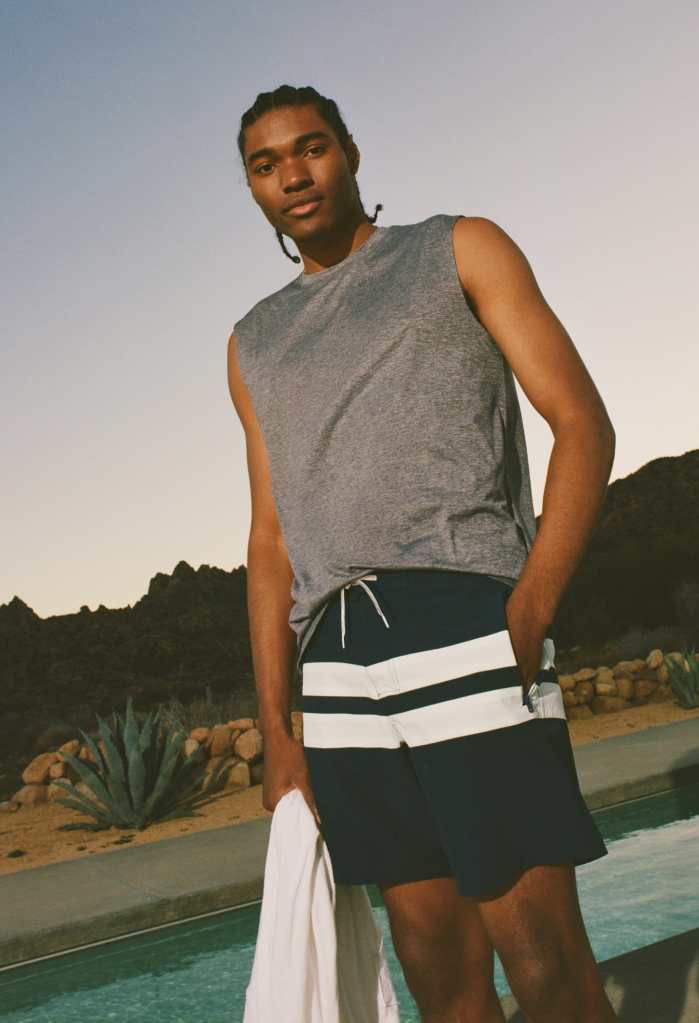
{"x": 293, "y": 96}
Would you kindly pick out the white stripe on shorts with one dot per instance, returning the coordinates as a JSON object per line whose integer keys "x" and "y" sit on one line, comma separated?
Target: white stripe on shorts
{"x": 447, "y": 719}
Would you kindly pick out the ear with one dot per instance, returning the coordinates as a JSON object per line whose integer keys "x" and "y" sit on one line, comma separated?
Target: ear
{"x": 353, "y": 155}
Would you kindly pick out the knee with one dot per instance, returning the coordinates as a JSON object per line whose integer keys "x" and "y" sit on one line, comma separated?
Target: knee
{"x": 441, "y": 974}
{"x": 540, "y": 979}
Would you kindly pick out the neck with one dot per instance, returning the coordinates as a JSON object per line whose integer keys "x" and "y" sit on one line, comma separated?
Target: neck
{"x": 322, "y": 252}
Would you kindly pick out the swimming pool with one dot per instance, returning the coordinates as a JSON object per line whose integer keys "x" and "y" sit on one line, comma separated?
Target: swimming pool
{"x": 646, "y": 889}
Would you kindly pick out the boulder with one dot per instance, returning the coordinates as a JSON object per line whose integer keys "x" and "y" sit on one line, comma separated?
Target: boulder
{"x": 643, "y": 687}
{"x": 219, "y": 741}
{"x": 249, "y": 745}
{"x": 575, "y": 713}
{"x": 654, "y": 659}
{"x": 242, "y": 724}
{"x": 608, "y": 704}
{"x": 584, "y": 692}
{"x": 37, "y": 770}
{"x": 31, "y": 795}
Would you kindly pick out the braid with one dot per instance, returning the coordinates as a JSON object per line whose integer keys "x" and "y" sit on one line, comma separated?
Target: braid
{"x": 291, "y": 96}
{"x": 297, "y": 259}
{"x": 372, "y": 220}
{"x": 280, "y": 239}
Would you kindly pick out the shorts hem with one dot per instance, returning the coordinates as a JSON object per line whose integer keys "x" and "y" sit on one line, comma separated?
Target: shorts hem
{"x": 402, "y": 879}
{"x": 501, "y": 887}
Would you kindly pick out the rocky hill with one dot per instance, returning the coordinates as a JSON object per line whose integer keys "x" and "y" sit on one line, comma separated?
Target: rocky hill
{"x": 641, "y": 566}
{"x": 189, "y": 631}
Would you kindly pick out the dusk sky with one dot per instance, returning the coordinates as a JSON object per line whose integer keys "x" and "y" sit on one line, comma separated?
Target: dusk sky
{"x": 132, "y": 244}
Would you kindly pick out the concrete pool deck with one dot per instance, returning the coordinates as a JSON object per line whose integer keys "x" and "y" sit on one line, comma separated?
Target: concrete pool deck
{"x": 50, "y": 909}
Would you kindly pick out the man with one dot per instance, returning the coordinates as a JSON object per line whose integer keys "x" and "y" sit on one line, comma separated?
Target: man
{"x": 384, "y": 444}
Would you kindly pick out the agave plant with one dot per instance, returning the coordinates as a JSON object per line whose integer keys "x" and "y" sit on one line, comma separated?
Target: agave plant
{"x": 143, "y": 776}
{"x": 685, "y": 681}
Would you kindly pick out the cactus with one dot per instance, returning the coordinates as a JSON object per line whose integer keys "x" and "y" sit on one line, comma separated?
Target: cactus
{"x": 685, "y": 681}
{"x": 142, "y": 777}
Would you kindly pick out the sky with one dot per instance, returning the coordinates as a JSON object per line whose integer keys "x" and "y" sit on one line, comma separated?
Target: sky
{"x": 132, "y": 244}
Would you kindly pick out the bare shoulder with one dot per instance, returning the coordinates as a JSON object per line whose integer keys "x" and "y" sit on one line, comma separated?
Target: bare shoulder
{"x": 487, "y": 257}
{"x": 503, "y": 293}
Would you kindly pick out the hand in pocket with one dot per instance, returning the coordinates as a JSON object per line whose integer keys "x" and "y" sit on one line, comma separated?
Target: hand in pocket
{"x": 527, "y": 634}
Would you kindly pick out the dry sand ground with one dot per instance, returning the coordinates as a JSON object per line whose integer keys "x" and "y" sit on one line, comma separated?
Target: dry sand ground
{"x": 33, "y": 829}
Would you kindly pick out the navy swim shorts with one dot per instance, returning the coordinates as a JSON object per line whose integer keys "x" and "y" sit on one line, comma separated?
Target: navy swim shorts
{"x": 424, "y": 758}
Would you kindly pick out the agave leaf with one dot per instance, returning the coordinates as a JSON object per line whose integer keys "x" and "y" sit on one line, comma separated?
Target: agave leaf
{"x": 192, "y": 792}
{"x": 134, "y": 759}
{"x": 91, "y": 779}
{"x": 167, "y": 767}
{"x": 83, "y": 826}
{"x": 189, "y": 765}
{"x": 189, "y": 805}
{"x": 157, "y": 717}
{"x": 684, "y": 683}
{"x": 114, "y": 760}
{"x": 84, "y": 806}
{"x": 94, "y": 749}
{"x": 137, "y": 777}
{"x": 153, "y": 759}
{"x": 115, "y": 779}
{"x": 218, "y": 780}
{"x": 181, "y": 795}
{"x": 144, "y": 738}
{"x": 130, "y": 732}
{"x": 187, "y": 784}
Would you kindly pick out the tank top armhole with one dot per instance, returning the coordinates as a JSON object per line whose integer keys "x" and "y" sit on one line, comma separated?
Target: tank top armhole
{"x": 489, "y": 343}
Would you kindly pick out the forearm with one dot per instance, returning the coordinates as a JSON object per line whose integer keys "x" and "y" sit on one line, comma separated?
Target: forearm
{"x": 273, "y": 642}
{"x": 576, "y": 483}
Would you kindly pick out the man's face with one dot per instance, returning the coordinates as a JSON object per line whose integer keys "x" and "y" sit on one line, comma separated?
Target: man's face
{"x": 294, "y": 168}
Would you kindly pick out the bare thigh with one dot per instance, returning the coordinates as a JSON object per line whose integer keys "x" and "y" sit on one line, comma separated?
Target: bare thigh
{"x": 539, "y": 934}
{"x": 440, "y": 940}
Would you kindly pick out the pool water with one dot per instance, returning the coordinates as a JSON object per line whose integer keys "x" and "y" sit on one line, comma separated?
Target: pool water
{"x": 646, "y": 889}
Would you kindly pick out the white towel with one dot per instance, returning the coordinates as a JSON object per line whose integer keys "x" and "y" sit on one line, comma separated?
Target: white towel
{"x": 319, "y": 954}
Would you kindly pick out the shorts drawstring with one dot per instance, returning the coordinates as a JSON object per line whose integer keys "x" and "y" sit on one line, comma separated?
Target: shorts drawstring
{"x": 358, "y": 582}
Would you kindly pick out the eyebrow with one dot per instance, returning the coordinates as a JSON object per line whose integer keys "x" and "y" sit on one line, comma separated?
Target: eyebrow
{"x": 299, "y": 142}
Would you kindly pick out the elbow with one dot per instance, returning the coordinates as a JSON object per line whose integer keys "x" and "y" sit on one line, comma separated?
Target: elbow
{"x": 593, "y": 430}
{"x": 588, "y": 420}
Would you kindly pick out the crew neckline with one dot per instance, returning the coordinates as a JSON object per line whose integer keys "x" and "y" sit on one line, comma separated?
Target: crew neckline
{"x": 308, "y": 280}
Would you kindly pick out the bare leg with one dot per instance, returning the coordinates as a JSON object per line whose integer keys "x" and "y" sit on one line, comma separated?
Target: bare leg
{"x": 538, "y": 931}
{"x": 444, "y": 951}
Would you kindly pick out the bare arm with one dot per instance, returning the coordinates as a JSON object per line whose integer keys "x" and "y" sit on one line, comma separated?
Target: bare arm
{"x": 508, "y": 302}
{"x": 269, "y": 602}
{"x": 269, "y": 572}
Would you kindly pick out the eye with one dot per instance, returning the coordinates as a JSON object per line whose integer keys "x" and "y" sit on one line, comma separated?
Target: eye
{"x": 260, "y": 167}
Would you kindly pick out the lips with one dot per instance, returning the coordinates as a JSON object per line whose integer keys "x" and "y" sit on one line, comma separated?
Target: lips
{"x": 305, "y": 209}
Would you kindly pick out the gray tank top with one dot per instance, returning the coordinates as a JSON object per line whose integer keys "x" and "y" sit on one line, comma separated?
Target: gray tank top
{"x": 391, "y": 420}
